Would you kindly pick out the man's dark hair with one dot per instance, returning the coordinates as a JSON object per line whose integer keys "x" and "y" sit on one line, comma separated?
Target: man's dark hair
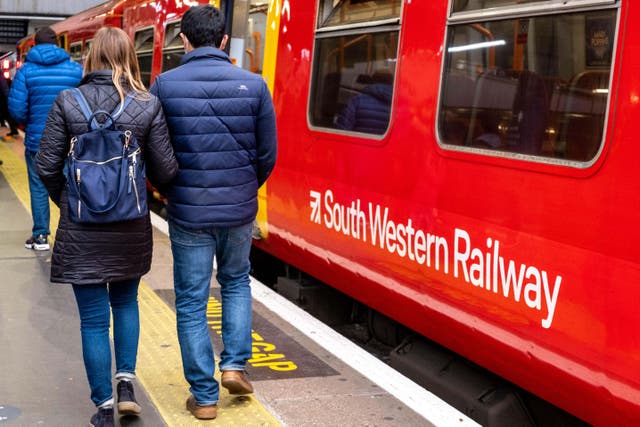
{"x": 46, "y": 35}
{"x": 203, "y": 26}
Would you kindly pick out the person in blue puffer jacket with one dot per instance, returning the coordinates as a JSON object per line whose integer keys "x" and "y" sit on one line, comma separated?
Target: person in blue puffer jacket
{"x": 223, "y": 131}
{"x": 369, "y": 111}
{"x": 47, "y": 71}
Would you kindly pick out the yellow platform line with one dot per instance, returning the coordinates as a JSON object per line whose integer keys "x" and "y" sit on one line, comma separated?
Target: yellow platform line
{"x": 159, "y": 366}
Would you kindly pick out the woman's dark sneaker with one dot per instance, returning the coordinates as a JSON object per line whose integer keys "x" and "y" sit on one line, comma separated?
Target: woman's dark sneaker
{"x": 102, "y": 418}
{"x": 127, "y": 404}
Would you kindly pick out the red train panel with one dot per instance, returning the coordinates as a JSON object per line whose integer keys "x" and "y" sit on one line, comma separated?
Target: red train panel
{"x": 525, "y": 263}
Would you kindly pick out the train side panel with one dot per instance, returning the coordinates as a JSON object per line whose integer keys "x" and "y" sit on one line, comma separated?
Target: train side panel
{"x": 528, "y": 268}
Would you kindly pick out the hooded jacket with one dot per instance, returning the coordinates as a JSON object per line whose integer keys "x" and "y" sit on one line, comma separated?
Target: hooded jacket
{"x": 47, "y": 70}
{"x": 101, "y": 253}
{"x": 223, "y": 131}
{"x": 369, "y": 111}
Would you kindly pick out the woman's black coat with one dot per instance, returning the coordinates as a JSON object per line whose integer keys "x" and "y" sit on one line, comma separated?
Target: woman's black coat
{"x": 101, "y": 253}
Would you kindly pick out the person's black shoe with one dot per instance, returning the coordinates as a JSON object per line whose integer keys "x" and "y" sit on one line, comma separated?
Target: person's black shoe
{"x": 37, "y": 243}
{"x": 127, "y": 404}
{"x": 102, "y": 418}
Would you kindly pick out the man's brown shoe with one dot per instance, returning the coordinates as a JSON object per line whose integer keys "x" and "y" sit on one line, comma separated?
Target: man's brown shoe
{"x": 236, "y": 382}
{"x": 208, "y": 412}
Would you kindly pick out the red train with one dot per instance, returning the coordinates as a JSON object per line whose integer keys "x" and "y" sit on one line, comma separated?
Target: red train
{"x": 463, "y": 167}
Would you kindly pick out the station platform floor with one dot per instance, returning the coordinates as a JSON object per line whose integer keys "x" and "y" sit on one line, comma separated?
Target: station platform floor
{"x": 303, "y": 374}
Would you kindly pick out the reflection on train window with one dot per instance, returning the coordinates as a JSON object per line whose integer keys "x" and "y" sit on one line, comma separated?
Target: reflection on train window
{"x": 144, "y": 52}
{"x": 75, "y": 51}
{"x": 334, "y": 12}
{"x": 354, "y": 68}
{"x": 472, "y": 5}
{"x": 536, "y": 86}
{"x": 464, "y": 5}
{"x": 172, "y": 48}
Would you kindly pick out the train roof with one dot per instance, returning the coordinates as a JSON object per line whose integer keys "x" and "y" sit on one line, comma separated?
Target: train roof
{"x": 92, "y": 17}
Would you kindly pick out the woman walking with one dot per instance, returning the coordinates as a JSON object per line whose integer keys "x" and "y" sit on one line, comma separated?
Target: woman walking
{"x": 104, "y": 261}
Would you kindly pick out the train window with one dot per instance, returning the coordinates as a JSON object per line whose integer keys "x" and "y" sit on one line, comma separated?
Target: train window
{"x": 172, "y": 48}
{"x": 354, "y": 65}
{"x": 528, "y": 85}
{"x": 144, "y": 52}
{"x": 85, "y": 52}
{"x": 75, "y": 50}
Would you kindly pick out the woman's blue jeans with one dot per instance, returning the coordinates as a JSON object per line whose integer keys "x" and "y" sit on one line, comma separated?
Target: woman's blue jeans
{"x": 93, "y": 305}
{"x": 193, "y": 253}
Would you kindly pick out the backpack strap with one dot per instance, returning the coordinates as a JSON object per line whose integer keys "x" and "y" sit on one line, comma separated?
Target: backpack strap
{"x": 82, "y": 102}
{"x": 91, "y": 115}
{"x": 115, "y": 113}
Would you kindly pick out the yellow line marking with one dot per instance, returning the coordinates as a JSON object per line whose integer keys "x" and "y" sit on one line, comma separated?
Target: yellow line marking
{"x": 159, "y": 365}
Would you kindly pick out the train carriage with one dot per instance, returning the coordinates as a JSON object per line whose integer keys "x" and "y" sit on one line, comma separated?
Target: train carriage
{"x": 464, "y": 168}
{"x": 486, "y": 196}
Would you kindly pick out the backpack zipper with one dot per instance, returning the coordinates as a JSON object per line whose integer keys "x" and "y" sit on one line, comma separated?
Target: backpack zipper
{"x": 135, "y": 187}
{"x": 78, "y": 182}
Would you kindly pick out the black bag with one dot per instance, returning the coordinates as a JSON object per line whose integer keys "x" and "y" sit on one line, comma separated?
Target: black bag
{"x": 106, "y": 179}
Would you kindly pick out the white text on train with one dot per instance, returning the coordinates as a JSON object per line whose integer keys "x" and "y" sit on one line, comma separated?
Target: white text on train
{"x": 485, "y": 268}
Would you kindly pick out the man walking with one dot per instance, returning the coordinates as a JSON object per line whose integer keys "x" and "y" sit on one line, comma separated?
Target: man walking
{"x": 47, "y": 70}
{"x": 222, "y": 124}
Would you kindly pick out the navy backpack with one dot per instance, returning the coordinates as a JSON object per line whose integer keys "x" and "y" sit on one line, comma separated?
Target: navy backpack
{"x": 106, "y": 179}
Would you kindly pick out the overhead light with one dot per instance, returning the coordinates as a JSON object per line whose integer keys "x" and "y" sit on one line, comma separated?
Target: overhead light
{"x": 473, "y": 46}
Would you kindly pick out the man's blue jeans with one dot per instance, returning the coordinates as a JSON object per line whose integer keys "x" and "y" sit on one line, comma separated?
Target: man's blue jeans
{"x": 93, "y": 305}
{"x": 193, "y": 252}
{"x": 39, "y": 198}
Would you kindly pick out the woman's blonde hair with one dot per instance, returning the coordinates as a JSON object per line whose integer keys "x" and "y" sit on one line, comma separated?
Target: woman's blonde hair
{"x": 113, "y": 49}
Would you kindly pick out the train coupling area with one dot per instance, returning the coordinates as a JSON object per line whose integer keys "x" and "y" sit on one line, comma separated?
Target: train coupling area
{"x": 303, "y": 373}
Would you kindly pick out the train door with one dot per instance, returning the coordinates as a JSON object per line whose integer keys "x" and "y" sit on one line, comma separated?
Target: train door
{"x": 246, "y": 23}
{"x": 246, "y": 27}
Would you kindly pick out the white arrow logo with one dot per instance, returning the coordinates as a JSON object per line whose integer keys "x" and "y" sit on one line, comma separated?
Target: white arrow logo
{"x": 315, "y": 206}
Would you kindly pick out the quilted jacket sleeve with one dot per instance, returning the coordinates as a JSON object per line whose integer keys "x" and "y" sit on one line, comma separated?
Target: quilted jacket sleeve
{"x": 162, "y": 165}
{"x": 19, "y": 96}
{"x": 54, "y": 147}
{"x": 266, "y": 139}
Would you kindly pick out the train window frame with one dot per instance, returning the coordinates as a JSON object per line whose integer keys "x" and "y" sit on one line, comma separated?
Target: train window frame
{"x": 145, "y": 52}
{"x": 541, "y": 7}
{"x": 390, "y": 26}
{"x": 525, "y": 12}
{"x": 171, "y": 49}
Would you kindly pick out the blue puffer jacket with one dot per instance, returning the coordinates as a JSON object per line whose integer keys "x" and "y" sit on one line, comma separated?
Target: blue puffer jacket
{"x": 223, "y": 130}
{"x": 369, "y": 111}
{"x": 47, "y": 70}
